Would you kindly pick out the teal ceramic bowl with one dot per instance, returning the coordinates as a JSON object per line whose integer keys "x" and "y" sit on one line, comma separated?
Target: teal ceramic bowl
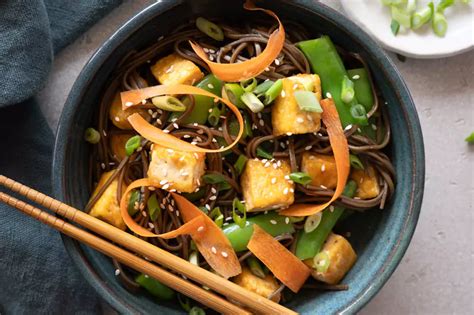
{"x": 379, "y": 237}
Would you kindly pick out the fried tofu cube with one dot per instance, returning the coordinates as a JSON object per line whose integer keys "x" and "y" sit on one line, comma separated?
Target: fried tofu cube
{"x": 367, "y": 183}
{"x": 176, "y": 169}
{"x": 261, "y": 286}
{"x": 118, "y": 116}
{"x": 266, "y": 185}
{"x": 341, "y": 259}
{"x": 287, "y": 117}
{"x": 174, "y": 69}
{"x": 117, "y": 145}
{"x": 321, "y": 168}
{"x": 107, "y": 207}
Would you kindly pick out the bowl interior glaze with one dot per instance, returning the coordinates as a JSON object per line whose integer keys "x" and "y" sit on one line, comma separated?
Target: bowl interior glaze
{"x": 380, "y": 238}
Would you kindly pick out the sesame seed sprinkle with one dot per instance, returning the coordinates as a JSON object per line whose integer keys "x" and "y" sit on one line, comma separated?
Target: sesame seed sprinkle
{"x": 210, "y": 86}
{"x": 102, "y": 165}
{"x": 224, "y": 254}
{"x": 117, "y": 272}
{"x": 323, "y": 187}
{"x": 285, "y": 191}
{"x": 348, "y": 127}
{"x": 356, "y": 77}
{"x": 374, "y": 127}
{"x": 289, "y": 133}
{"x": 267, "y": 164}
{"x": 151, "y": 225}
{"x": 213, "y": 250}
{"x": 287, "y": 177}
{"x": 159, "y": 121}
{"x": 213, "y": 197}
{"x": 309, "y": 147}
{"x": 282, "y": 94}
{"x": 144, "y": 213}
{"x": 186, "y": 136}
{"x": 176, "y": 125}
{"x": 331, "y": 208}
{"x": 261, "y": 122}
{"x": 128, "y": 104}
{"x": 287, "y": 220}
{"x": 166, "y": 186}
{"x": 166, "y": 131}
{"x": 213, "y": 190}
{"x": 277, "y": 62}
{"x": 200, "y": 229}
{"x": 274, "y": 180}
{"x": 200, "y": 131}
{"x": 273, "y": 221}
{"x": 300, "y": 120}
{"x": 328, "y": 95}
{"x": 323, "y": 168}
{"x": 117, "y": 118}
{"x": 208, "y": 207}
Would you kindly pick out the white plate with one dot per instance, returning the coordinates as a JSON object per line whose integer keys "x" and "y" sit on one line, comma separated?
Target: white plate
{"x": 375, "y": 18}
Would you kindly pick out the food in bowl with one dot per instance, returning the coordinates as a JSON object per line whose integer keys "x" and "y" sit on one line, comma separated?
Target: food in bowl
{"x": 239, "y": 148}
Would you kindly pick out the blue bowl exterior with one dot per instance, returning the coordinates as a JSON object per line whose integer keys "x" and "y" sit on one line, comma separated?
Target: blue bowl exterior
{"x": 379, "y": 237}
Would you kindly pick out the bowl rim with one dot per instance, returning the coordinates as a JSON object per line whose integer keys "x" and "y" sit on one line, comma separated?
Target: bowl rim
{"x": 385, "y": 64}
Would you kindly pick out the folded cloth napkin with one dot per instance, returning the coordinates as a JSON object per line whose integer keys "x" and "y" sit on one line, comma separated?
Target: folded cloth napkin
{"x": 36, "y": 274}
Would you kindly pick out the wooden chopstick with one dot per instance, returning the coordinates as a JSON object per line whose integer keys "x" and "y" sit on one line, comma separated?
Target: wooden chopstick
{"x": 179, "y": 284}
{"x": 227, "y": 288}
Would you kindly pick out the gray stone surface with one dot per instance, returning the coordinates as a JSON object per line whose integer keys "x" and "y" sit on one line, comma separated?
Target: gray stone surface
{"x": 436, "y": 274}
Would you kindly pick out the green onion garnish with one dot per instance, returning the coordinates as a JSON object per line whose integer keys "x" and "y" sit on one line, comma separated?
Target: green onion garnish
{"x": 196, "y": 310}
{"x": 347, "y": 90}
{"x": 234, "y": 92}
{"x": 252, "y": 102}
{"x": 133, "y": 202}
{"x": 359, "y": 114}
{"x": 168, "y": 103}
{"x": 263, "y": 87}
{"x": 307, "y": 101}
{"x": 443, "y": 4}
{"x": 356, "y": 162}
{"x": 240, "y": 163}
{"x": 92, "y": 136}
{"x": 401, "y": 16}
{"x": 214, "y": 116}
{"x": 153, "y": 207}
{"x": 255, "y": 267}
{"x": 249, "y": 85}
{"x": 421, "y": 17}
{"x": 263, "y": 154}
{"x": 238, "y": 206}
{"x": 272, "y": 93}
{"x": 213, "y": 178}
{"x": 470, "y": 138}
{"x": 439, "y": 24}
{"x": 210, "y": 29}
{"x": 300, "y": 178}
{"x": 321, "y": 262}
{"x": 217, "y": 216}
{"x": 395, "y": 27}
{"x": 132, "y": 144}
{"x": 312, "y": 222}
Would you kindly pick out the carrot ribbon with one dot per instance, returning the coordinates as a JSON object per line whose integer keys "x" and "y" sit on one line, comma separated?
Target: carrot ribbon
{"x": 209, "y": 238}
{"x": 234, "y": 72}
{"x": 340, "y": 149}
{"x": 282, "y": 263}
{"x": 156, "y": 135}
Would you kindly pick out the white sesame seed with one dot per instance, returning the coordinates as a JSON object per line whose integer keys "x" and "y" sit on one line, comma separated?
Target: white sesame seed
{"x": 289, "y": 133}
{"x": 151, "y": 225}
{"x": 181, "y": 158}
{"x": 328, "y": 95}
{"x": 159, "y": 121}
{"x": 170, "y": 151}
{"x": 104, "y": 133}
{"x": 117, "y": 118}
{"x": 323, "y": 187}
{"x": 143, "y": 213}
{"x": 287, "y": 220}
{"x": 195, "y": 124}
{"x": 175, "y": 125}
{"x": 214, "y": 140}
{"x": 159, "y": 111}
{"x": 161, "y": 37}
{"x": 151, "y": 188}
{"x": 267, "y": 69}
{"x": 227, "y": 58}
{"x": 285, "y": 191}
{"x": 200, "y": 131}
{"x": 374, "y": 127}
{"x": 117, "y": 272}
{"x": 331, "y": 208}
{"x": 277, "y": 62}
{"x": 287, "y": 177}
{"x": 166, "y": 131}
{"x": 169, "y": 69}
{"x": 102, "y": 165}
{"x": 211, "y": 57}
{"x": 213, "y": 250}
{"x": 210, "y": 86}
{"x": 309, "y": 117}
{"x": 166, "y": 186}
{"x": 154, "y": 115}
{"x": 213, "y": 190}
{"x": 170, "y": 208}
{"x": 184, "y": 174}
{"x": 128, "y": 104}
{"x": 295, "y": 86}
{"x": 292, "y": 190}
{"x": 300, "y": 120}
{"x": 358, "y": 129}
{"x": 274, "y": 180}
{"x": 309, "y": 147}
{"x": 213, "y": 197}
{"x": 200, "y": 229}
{"x": 150, "y": 111}
{"x": 323, "y": 168}
{"x": 282, "y": 94}
{"x": 264, "y": 161}
{"x": 208, "y": 207}
{"x": 196, "y": 155}
{"x": 348, "y": 127}
{"x": 206, "y": 50}
{"x": 273, "y": 222}
{"x": 261, "y": 122}
{"x": 357, "y": 198}
{"x": 282, "y": 145}
{"x": 224, "y": 254}
{"x": 275, "y": 166}
{"x": 356, "y": 77}
{"x": 279, "y": 163}
{"x": 312, "y": 157}
{"x": 267, "y": 164}
{"x": 186, "y": 136}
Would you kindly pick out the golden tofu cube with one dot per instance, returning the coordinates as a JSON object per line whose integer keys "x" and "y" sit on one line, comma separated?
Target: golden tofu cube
{"x": 287, "y": 117}
{"x": 341, "y": 259}
{"x": 117, "y": 145}
{"x": 266, "y": 185}
{"x": 107, "y": 207}
{"x": 118, "y": 116}
{"x": 174, "y": 69}
{"x": 367, "y": 183}
{"x": 321, "y": 168}
{"x": 177, "y": 170}
{"x": 262, "y": 286}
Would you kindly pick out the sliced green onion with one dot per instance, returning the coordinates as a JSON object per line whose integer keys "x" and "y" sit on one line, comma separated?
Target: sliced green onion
{"x": 321, "y": 262}
{"x": 210, "y": 29}
{"x": 264, "y": 154}
{"x": 214, "y": 116}
{"x": 168, "y": 103}
{"x": 411, "y": 6}
{"x": 153, "y": 207}
{"x": 272, "y": 93}
{"x": 300, "y": 178}
{"x": 252, "y": 102}
{"x": 356, "y": 162}
{"x": 296, "y": 219}
{"x": 359, "y": 114}
{"x": 443, "y": 4}
{"x": 395, "y": 27}
{"x": 155, "y": 287}
{"x": 234, "y": 92}
{"x": 183, "y": 300}
{"x": 132, "y": 144}
{"x": 263, "y": 87}
{"x": 217, "y": 216}
{"x": 347, "y": 90}
{"x": 234, "y": 127}
{"x": 249, "y": 85}
{"x": 92, "y": 136}
{"x": 213, "y": 178}
{"x": 133, "y": 202}
{"x": 307, "y": 101}
{"x": 421, "y": 17}
{"x": 401, "y": 16}
{"x": 439, "y": 24}
{"x": 240, "y": 163}
{"x": 255, "y": 267}
{"x": 312, "y": 222}
{"x": 197, "y": 311}
{"x": 238, "y": 206}
{"x": 470, "y": 138}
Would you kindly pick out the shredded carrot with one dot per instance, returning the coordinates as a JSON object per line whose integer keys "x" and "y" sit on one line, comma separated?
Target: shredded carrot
{"x": 282, "y": 263}
{"x": 156, "y": 135}
{"x": 340, "y": 149}
{"x": 251, "y": 68}
{"x": 209, "y": 238}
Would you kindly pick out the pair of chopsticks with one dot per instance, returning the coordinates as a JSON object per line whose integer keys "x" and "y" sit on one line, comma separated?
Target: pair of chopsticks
{"x": 254, "y": 302}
